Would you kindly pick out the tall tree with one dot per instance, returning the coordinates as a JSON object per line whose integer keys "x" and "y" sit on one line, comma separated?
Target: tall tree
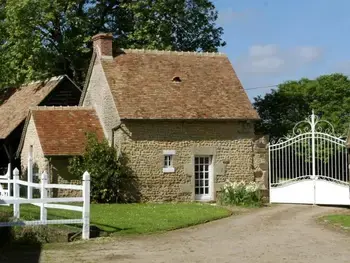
{"x": 185, "y": 25}
{"x": 41, "y": 38}
{"x": 293, "y": 101}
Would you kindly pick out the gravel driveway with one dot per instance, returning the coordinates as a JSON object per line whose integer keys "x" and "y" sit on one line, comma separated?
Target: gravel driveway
{"x": 285, "y": 233}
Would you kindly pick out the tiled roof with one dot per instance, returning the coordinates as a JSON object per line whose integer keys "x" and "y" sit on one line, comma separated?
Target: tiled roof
{"x": 176, "y": 85}
{"x": 15, "y": 106}
{"x": 62, "y": 130}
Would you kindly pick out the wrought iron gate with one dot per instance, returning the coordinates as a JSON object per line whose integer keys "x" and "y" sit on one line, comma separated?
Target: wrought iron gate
{"x": 310, "y": 167}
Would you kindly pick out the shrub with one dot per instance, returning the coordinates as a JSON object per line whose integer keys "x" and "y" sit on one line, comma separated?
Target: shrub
{"x": 241, "y": 193}
{"x": 27, "y": 235}
{"x": 31, "y": 235}
{"x": 111, "y": 179}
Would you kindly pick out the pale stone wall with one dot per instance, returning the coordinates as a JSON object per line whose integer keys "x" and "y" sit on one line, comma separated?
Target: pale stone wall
{"x": 261, "y": 162}
{"x": 100, "y": 97}
{"x": 230, "y": 144}
{"x": 32, "y": 138}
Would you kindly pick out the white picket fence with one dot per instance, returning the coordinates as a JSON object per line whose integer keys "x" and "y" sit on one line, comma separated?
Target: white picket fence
{"x": 13, "y": 198}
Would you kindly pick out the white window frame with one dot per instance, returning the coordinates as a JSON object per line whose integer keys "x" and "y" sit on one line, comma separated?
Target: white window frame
{"x": 170, "y": 154}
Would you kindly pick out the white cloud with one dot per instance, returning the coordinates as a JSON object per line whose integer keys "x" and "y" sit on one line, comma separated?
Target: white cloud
{"x": 263, "y": 50}
{"x": 273, "y": 59}
{"x": 309, "y": 53}
{"x": 268, "y": 64}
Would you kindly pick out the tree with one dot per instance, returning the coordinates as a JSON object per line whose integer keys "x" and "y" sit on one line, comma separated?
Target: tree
{"x": 293, "y": 101}
{"x": 42, "y": 38}
{"x": 182, "y": 25}
{"x": 111, "y": 179}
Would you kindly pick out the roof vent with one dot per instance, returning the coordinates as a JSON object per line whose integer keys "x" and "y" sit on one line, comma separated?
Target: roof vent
{"x": 177, "y": 79}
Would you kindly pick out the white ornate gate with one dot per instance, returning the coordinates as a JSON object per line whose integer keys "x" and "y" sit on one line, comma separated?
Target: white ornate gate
{"x": 310, "y": 167}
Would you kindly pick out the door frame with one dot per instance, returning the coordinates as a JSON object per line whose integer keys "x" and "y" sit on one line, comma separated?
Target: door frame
{"x": 210, "y": 195}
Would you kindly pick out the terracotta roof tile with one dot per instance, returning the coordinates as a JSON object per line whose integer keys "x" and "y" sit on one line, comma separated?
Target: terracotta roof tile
{"x": 62, "y": 130}
{"x": 208, "y": 88}
{"x": 16, "y": 105}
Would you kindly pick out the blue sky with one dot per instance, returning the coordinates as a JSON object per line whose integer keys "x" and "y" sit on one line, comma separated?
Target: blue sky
{"x": 272, "y": 41}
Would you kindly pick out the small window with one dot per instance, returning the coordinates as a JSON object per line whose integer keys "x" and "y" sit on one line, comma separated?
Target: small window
{"x": 168, "y": 161}
{"x": 168, "y": 166}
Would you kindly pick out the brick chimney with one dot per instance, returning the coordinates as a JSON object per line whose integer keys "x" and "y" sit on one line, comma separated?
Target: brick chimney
{"x": 103, "y": 45}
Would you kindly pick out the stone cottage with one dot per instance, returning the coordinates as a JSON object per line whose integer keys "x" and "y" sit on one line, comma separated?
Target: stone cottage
{"x": 182, "y": 118}
{"x": 16, "y": 102}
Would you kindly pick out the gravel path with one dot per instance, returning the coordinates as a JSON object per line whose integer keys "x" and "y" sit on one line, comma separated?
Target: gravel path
{"x": 276, "y": 234}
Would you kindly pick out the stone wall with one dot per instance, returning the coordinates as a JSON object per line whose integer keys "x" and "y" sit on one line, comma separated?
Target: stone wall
{"x": 99, "y": 96}
{"x": 32, "y": 139}
{"x": 261, "y": 162}
{"x": 68, "y": 192}
{"x": 229, "y": 143}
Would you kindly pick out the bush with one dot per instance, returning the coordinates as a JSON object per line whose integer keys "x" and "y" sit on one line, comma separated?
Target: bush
{"x": 28, "y": 235}
{"x": 31, "y": 235}
{"x": 241, "y": 194}
{"x": 111, "y": 179}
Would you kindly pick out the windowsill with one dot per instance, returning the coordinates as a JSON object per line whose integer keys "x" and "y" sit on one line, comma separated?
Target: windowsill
{"x": 169, "y": 170}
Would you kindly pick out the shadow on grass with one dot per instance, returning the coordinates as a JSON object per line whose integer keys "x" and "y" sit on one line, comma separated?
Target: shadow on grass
{"x": 20, "y": 253}
{"x": 94, "y": 227}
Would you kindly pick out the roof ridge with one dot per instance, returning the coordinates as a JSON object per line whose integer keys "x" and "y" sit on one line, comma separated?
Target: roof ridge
{"x": 62, "y": 108}
{"x": 170, "y": 52}
{"x": 46, "y": 80}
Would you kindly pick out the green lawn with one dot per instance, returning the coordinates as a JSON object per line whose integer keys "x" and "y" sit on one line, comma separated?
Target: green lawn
{"x": 342, "y": 220}
{"x": 136, "y": 218}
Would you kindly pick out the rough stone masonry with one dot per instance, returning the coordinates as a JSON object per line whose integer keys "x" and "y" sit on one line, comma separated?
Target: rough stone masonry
{"x": 237, "y": 155}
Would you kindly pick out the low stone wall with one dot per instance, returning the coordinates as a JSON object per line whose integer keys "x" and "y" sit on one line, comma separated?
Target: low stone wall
{"x": 66, "y": 192}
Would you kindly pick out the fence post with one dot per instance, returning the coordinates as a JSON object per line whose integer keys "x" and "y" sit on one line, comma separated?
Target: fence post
{"x": 16, "y": 207}
{"x": 30, "y": 173}
{"x": 9, "y": 178}
{"x": 43, "y": 193}
{"x": 86, "y": 206}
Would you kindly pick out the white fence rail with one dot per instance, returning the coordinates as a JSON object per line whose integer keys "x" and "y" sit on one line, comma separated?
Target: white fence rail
{"x": 44, "y": 202}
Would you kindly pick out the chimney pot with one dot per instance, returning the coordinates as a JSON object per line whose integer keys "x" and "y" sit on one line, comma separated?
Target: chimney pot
{"x": 102, "y": 43}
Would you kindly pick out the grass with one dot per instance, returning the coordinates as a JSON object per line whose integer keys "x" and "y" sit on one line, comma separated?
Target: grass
{"x": 340, "y": 220}
{"x": 127, "y": 219}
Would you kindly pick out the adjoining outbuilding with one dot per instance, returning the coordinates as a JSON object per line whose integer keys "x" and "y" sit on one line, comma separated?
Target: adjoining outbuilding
{"x": 15, "y": 103}
{"x": 52, "y": 135}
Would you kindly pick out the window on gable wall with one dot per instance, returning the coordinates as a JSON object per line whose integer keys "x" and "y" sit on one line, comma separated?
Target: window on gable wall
{"x": 168, "y": 165}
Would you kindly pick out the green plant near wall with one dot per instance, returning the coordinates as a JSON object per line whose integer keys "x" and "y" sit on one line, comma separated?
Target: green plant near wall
{"x": 241, "y": 194}
{"x": 112, "y": 181}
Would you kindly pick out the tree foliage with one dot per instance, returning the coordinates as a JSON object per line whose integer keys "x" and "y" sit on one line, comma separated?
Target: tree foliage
{"x": 42, "y": 38}
{"x": 293, "y": 101}
{"x": 111, "y": 179}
